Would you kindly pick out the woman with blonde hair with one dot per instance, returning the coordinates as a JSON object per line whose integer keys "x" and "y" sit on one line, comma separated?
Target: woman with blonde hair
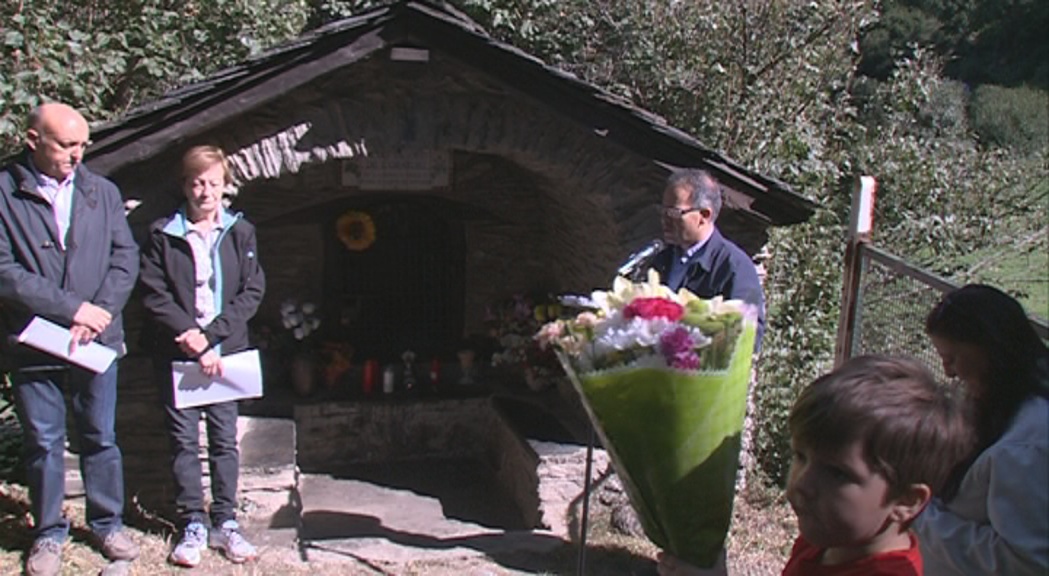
{"x": 202, "y": 283}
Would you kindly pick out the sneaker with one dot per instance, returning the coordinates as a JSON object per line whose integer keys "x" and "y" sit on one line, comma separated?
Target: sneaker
{"x": 118, "y": 545}
{"x": 187, "y": 552}
{"x": 229, "y": 540}
{"x": 45, "y": 558}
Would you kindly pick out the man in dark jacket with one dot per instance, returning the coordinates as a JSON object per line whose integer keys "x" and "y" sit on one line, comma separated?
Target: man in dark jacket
{"x": 697, "y": 256}
{"x": 67, "y": 255}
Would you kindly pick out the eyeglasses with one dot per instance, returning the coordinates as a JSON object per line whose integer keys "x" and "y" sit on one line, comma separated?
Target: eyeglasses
{"x": 673, "y": 212}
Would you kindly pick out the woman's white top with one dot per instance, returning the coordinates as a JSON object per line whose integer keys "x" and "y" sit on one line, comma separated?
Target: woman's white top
{"x": 999, "y": 521}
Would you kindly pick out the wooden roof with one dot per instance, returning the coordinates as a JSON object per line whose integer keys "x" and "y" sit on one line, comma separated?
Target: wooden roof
{"x": 193, "y": 109}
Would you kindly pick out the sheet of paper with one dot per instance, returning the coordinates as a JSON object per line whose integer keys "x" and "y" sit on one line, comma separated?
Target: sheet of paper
{"x": 241, "y": 379}
{"x": 49, "y": 337}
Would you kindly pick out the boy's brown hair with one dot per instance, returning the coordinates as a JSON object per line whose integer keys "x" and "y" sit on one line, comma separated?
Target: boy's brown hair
{"x": 912, "y": 429}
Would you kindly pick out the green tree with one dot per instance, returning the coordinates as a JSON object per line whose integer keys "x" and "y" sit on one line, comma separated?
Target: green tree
{"x": 982, "y": 41}
{"x": 105, "y": 57}
{"x": 773, "y": 85}
{"x": 1016, "y": 118}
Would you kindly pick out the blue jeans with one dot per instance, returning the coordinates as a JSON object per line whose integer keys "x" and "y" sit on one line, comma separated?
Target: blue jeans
{"x": 42, "y": 412}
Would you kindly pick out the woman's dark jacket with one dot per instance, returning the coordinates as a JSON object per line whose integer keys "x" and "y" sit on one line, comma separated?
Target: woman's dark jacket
{"x": 168, "y": 276}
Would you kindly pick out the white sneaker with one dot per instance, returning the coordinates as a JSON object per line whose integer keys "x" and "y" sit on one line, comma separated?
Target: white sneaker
{"x": 187, "y": 552}
{"x": 229, "y": 540}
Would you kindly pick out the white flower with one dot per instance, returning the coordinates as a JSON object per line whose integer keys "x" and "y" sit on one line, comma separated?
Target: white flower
{"x": 624, "y": 291}
{"x": 620, "y": 334}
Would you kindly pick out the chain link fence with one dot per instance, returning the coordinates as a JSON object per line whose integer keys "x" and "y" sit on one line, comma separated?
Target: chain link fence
{"x": 891, "y": 300}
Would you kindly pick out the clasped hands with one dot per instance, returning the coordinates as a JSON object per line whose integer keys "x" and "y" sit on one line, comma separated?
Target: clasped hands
{"x": 194, "y": 343}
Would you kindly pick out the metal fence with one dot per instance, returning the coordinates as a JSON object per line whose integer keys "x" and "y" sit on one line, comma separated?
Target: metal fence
{"x": 889, "y": 299}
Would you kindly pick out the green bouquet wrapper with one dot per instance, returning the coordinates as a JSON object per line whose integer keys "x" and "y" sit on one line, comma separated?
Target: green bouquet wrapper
{"x": 674, "y": 439}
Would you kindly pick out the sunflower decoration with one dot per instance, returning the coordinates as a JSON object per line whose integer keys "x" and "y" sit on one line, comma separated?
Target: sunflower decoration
{"x": 356, "y": 230}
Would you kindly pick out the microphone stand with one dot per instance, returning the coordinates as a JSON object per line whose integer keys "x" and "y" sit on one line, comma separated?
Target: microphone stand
{"x": 632, "y": 271}
{"x": 584, "y": 522}
{"x": 583, "y": 302}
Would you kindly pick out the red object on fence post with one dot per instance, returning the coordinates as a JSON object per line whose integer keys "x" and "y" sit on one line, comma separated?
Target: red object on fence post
{"x": 860, "y": 228}
{"x": 371, "y": 372}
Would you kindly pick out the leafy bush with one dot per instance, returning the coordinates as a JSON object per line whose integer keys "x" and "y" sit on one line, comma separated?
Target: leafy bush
{"x": 107, "y": 56}
{"x": 772, "y": 85}
{"x": 1016, "y": 118}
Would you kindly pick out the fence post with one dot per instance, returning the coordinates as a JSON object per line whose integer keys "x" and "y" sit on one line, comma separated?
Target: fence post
{"x": 861, "y": 222}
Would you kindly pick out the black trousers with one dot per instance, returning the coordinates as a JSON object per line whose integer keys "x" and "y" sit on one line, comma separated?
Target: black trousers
{"x": 223, "y": 459}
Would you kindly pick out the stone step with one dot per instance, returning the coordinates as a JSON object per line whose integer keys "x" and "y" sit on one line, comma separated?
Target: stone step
{"x": 375, "y": 523}
{"x": 455, "y": 508}
{"x": 269, "y": 507}
{"x": 269, "y": 510}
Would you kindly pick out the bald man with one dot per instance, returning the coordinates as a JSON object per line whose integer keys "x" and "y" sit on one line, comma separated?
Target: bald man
{"x": 67, "y": 255}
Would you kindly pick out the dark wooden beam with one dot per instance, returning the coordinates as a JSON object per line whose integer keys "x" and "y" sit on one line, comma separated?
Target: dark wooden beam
{"x": 212, "y": 108}
{"x": 631, "y": 127}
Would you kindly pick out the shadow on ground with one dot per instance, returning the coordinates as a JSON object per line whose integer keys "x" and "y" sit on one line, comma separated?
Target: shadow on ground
{"x": 467, "y": 489}
{"x": 517, "y": 550}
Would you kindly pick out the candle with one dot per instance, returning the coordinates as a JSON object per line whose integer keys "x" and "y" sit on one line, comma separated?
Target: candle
{"x": 435, "y": 372}
{"x": 388, "y": 380}
{"x": 371, "y": 370}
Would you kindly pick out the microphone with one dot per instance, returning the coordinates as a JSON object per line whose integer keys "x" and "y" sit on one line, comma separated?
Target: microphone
{"x": 638, "y": 259}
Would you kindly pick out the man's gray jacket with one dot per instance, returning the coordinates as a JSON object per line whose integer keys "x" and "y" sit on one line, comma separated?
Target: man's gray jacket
{"x": 40, "y": 278}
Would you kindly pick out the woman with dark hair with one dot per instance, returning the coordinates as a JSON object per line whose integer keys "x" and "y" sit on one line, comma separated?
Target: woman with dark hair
{"x": 993, "y": 516}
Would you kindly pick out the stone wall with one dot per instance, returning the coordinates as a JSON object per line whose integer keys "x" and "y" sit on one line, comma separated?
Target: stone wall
{"x": 592, "y": 201}
{"x": 546, "y": 204}
{"x": 142, "y": 436}
{"x": 562, "y": 479}
{"x": 330, "y": 435}
{"x": 516, "y": 468}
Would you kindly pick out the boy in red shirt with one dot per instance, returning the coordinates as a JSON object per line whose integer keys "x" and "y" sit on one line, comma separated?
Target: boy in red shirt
{"x": 871, "y": 442}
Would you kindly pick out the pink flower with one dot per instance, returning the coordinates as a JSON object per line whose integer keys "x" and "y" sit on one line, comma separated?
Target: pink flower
{"x": 649, "y": 308}
{"x": 550, "y": 333}
{"x": 677, "y": 348}
{"x": 586, "y": 320}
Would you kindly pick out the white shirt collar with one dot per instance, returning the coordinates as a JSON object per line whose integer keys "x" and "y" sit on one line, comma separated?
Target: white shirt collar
{"x": 47, "y": 181}
{"x": 688, "y": 253}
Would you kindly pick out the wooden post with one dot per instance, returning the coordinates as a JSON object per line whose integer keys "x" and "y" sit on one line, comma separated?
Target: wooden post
{"x": 860, "y": 225}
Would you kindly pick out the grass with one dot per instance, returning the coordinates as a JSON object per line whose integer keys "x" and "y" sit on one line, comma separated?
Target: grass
{"x": 760, "y": 538}
{"x": 1021, "y": 272}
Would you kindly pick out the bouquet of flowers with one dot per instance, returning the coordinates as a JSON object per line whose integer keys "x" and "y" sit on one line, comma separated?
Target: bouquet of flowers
{"x": 513, "y": 324}
{"x": 300, "y": 319}
{"x": 663, "y": 377}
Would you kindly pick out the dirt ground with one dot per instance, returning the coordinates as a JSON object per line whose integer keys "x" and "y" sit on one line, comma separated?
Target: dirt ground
{"x": 762, "y": 531}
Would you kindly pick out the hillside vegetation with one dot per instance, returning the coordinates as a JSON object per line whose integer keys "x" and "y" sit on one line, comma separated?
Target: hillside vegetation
{"x": 944, "y": 102}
